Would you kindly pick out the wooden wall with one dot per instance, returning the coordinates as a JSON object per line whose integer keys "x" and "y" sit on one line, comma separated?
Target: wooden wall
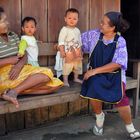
{"x": 50, "y": 14}
{"x": 50, "y": 18}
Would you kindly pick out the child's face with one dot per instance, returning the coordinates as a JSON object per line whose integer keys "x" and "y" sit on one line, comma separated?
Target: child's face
{"x": 71, "y": 19}
{"x": 29, "y": 28}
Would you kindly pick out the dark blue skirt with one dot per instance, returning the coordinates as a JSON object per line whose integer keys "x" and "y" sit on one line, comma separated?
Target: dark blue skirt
{"x": 103, "y": 87}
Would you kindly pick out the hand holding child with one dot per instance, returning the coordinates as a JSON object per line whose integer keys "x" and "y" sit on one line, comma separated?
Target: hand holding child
{"x": 62, "y": 51}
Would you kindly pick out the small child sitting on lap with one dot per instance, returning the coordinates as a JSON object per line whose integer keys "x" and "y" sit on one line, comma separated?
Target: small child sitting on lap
{"x": 28, "y": 42}
{"x": 69, "y": 55}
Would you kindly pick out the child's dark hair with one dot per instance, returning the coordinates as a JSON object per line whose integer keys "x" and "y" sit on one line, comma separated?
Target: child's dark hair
{"x": 72, "y": 10}
{"x": 27, "y": 19}
{"x": 1, "y": 11}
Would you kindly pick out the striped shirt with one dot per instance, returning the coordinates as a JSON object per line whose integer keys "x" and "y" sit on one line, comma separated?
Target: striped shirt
{"x": 9, "y": 48}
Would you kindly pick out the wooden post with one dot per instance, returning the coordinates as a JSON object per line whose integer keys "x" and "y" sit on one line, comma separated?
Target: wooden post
{"x": 136, "y": 75}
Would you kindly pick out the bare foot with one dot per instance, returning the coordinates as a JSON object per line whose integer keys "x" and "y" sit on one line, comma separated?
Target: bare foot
{"x": 78, "y": 81}
{"x": 10, "y": 96}
{"x": 66, "y": 84}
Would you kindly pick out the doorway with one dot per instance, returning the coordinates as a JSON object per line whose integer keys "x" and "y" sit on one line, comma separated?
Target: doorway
{"x": 130, "y": 11}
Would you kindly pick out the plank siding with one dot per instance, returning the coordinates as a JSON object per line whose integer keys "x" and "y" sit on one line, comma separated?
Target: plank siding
{"x": 50, "y": 16}
{"x": 13, "y": 11}
{"x": 83, "y": 23}
{"x": 96, "y": 13}
{"x": 55, "y": 20}
{"x": 110, "y": 5}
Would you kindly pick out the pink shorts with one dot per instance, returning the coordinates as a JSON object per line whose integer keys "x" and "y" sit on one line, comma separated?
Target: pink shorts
{"x": 125, "y": 99}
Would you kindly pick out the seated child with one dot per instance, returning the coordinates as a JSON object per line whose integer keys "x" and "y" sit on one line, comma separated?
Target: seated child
{"x": 69, "y": 54}
{"x": 28, "y": 42}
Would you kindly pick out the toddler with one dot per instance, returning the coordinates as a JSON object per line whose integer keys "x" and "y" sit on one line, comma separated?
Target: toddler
{"x": 69, "y": 55}
{"x": 28, "y": 41}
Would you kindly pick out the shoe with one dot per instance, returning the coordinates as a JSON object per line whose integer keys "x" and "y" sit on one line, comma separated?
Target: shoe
{"x": 98, "y": 131}
{"x": 134, "y": 135}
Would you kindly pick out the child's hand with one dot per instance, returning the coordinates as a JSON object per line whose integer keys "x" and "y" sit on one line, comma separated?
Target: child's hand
{"x": 20, "y": 55}
{"x": 62, "y": 51}
{"x": 62, "y": 54}
{"x": 56, "y": 47}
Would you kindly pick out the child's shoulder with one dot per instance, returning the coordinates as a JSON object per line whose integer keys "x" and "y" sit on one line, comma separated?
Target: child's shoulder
{"x": 64, "y": 28}
{"x": 26, "y": 37}
{"x": 76, "y": 28}
{"x": 69, "y": 28}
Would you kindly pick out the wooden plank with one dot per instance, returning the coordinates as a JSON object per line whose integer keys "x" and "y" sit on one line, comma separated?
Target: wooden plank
{"x": 44, "y": 112}
{"x": 30, "y": 117}
{"x": 46, "y": 49}
{"x": 35, "y": 117}
{"x": 58, "y": 111}
{"x": 136, "y": 70}
{"x": 131, "y": 83}
{"x": 83, "y": 9}
{"x": 2, "y": 125}
{"x": 85, "y": 62}
{"x": 111, "y": 5}
{"x": 136, "y": 74}
{"x": 74, "y": 107}
{"x": 78, "y": 106}
{"x": 84, "y": 105}
{"x": 56, "y": 12}
{"x": 13, "y": 12}
{"x": 43, "y": 61}
{"x": 14, "y": 121}
{"x": 51, "y": 61}
{"x": 38, "y": 10}
{"x": 95, "y": 13}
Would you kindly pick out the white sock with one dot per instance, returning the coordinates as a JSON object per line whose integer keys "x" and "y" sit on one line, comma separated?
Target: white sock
{"x": 100, "y": 119}
{"x": 130, "y": 128}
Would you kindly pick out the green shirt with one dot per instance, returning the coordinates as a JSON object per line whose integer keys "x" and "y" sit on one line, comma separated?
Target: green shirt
{"x": 22, "y": 47}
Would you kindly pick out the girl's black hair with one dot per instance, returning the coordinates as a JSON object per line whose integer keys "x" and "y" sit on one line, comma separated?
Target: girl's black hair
{"x": 27, "y": 19}
{"x": 116, "y": 19}
{"x": 72, "y": 10}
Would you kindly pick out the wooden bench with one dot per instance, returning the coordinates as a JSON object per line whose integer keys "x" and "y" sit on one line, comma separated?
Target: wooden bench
{"x": 134, "y": 83}
{"x": 65, "y": 94}
{"x": 27, "y": 102}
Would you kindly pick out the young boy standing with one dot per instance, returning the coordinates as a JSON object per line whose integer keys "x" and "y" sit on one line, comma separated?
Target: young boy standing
{"x": 69, "y": 55}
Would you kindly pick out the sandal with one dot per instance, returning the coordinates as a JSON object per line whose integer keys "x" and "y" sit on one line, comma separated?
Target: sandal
{"x": 134, "y": 135}
{"x": 98, "y": 131}
{"x": 11, "y": 96}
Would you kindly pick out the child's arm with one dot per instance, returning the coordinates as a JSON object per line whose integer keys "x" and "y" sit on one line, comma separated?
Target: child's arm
{"x": 22, "y": 47}
{"x": 61, "y": 48}
{"x": 61, "y": 41}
